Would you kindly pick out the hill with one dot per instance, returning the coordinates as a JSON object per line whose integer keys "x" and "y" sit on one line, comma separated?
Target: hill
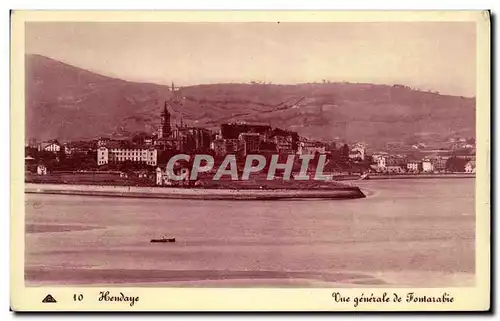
{"x": 68, "y": 103}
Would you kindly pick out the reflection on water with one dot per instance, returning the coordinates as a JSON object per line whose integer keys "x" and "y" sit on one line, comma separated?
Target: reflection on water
{"x": 405, "y": 232}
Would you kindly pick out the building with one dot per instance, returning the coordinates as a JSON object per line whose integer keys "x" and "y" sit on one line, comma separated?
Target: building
{"x": 41, "y": 169}
{"x": 252, "y": 142}
{"x": 394, "y": 169}
{"x": 198, "y": 139}
{"x": 427, "y": 165}
{"x": 102, "y": 156}
{"x": 119, "y": 154}
{"x": 470, "y": 167}
{"x": 311, "y": 148}
{"x": 378, "y": 155}
{"x": 386, "y": 161}
{"x": 79, "y": 147}
{"x": 222, "y": 147}
{"x": 164, "y": 134}
{"x": 148, "y": 141}
{"x": 285, "y": 141}
{"x": 189, "y": 139}
{"x": 50, "y": 146}
{"x": 358, "y": 152}
{"x": 162, "y": 178}
{"x": 219, "y": 147}
{"x": 233, "y": 130}
{"x": 103, "y": 141}
{"x": 414, "y": 166}
{"x": 284, "y": 144}
{"x": 180, "y": 137}
{"x": 440, "y": 164}
{"x": 165, "y": 127}
{"x": 235, "y": 146}
{"x": 381, "y": 162}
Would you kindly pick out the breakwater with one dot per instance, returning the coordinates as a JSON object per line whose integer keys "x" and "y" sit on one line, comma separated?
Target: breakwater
{"x": 340, "y": 192}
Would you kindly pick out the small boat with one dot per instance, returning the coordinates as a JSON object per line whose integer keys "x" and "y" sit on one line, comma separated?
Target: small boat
{"x": 164, "y": 240}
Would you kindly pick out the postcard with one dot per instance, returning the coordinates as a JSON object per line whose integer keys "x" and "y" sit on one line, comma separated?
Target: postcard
{"x": 250, "y": 161}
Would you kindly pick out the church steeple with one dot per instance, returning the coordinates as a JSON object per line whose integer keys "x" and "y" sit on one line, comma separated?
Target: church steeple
{"x": 166, "y": 129}
{"x": 165, "y": 109}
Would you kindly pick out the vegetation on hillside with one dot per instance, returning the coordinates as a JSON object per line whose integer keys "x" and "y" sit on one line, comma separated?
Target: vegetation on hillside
{"x": 70, "y": 103}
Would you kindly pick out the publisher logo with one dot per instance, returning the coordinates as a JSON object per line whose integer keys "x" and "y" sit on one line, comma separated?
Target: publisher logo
{"x": 49, "y": 299}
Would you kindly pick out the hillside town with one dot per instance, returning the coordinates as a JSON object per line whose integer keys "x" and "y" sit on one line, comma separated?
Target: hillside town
{"x": 145, "y": 155}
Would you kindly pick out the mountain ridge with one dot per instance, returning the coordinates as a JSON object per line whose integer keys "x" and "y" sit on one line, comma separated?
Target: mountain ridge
{"x": 70, "y": 103}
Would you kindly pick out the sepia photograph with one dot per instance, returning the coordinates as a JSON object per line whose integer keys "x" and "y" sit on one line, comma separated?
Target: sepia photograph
{"x": 280, "y": 154}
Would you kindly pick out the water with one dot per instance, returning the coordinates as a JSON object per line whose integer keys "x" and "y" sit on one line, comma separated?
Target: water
{"x": 405, "y": 233}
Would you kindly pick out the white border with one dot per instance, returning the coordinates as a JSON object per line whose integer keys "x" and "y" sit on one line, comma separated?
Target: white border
{"x": 147, "y": 4}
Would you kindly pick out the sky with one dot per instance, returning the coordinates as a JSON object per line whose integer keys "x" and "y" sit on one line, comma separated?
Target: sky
{"x": 437, "y": 56}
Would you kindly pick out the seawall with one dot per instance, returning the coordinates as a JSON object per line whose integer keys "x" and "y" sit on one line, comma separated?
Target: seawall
{"x": 420, "y": 176}
{"x": 341, "y": 192}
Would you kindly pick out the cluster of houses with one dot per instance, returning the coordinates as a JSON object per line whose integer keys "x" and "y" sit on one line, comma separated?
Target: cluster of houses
{"x": 245, "y": 139}
{"x": 55, "y": 146}
{"x": 241, "y": 138}
{"x": 238, "y": 138}
{"x": 397, "y": 164}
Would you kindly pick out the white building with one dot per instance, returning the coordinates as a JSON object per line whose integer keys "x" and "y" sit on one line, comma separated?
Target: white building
{"x": 414, "y": 166}
{"x": 381, "y": 163}
{"x": 102, "y": 155}
{"x": 143, "y": 155}
{"x": 427, "y": 165}
{"x": 376, "y": 156}
{"x": 103, "y": 141}
{"x": 358, "y": 151}
{"x": 50, "y": 146}
{"x": 470, "y": 167}
{"x": 41, "y": 170}
{"x": 311, "y": 148}
{"x": 163, "y": 179}
{"x": 391, "y": 163}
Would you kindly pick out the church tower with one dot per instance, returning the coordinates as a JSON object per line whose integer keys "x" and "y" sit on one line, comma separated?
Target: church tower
{"x": 166, "y": 129}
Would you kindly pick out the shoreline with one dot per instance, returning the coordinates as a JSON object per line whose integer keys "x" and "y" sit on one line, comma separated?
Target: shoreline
{"x": 419, "y": 176}
{"x": 341, "y": 192}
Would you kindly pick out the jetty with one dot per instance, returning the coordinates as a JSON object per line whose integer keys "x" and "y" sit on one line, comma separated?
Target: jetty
{"x": 335, "y": 192}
